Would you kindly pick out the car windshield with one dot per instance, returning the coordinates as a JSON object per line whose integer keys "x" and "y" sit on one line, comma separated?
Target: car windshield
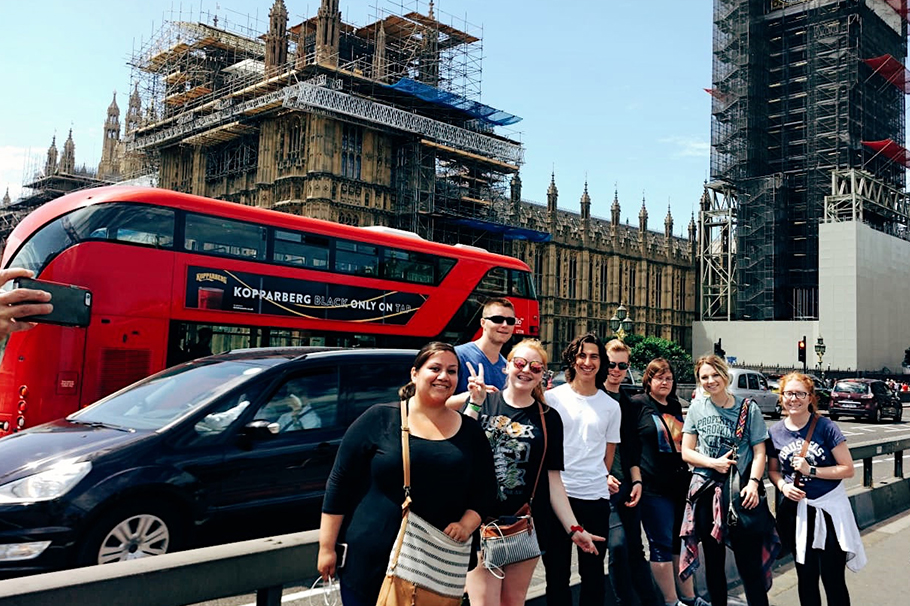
{"x": 851, "y": 387}
{"x": 156, "y": 401}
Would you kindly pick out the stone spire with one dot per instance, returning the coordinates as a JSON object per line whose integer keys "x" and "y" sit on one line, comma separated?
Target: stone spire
{"x": 668, "y": 223}
{"x": 380, "y": 64}
{"x": 328, "y": 31}
{"x": 428, "y": 71}
{"x": 614, "y": 209}
{"x": 692, "y": 228}
{"x": 134, "y": 111}
{"x": 643, "y": 216}
{"x": 276, "y": 40}
{"x": 68, "y": 160}
{"x": 552, "y": 195}
{"x": 515, "y": 191}
{"x": 50, "y": 165}
{"x": 6, "y": 198}
{"x": 585, "y": 204}
{"x": 110, "y": 165}
{"x": 705, "y": 201}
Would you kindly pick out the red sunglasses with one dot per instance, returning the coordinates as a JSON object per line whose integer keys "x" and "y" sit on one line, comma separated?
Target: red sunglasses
{"x": 534, "y": 367}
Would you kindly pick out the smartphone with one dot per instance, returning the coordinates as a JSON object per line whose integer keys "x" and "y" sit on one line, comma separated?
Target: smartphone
{"x": 341, "y": 552}
{"x": 72, "y": 304}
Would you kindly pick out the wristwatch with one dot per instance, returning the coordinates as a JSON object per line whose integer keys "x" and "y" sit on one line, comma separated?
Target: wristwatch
{"x": 813, "y": 471}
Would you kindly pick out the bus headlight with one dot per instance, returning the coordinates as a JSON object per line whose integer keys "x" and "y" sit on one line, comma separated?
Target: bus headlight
{"x": 45, "y": 486}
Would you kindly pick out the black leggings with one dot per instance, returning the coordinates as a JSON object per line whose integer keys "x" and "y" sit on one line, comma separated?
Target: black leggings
{"x": 829, "y": 563}
{"x": 747, "y": 552}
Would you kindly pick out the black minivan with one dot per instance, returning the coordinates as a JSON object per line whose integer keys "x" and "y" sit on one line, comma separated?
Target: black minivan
{"x": 239, "y": 438}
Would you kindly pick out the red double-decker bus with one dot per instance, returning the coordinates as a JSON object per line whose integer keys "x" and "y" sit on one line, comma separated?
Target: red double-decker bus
{"x": 176, "y": 276}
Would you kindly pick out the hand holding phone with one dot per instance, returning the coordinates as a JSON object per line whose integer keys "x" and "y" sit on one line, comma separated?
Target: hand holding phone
{"x": 71, "y": 305}
{"x": 17, "y": 304}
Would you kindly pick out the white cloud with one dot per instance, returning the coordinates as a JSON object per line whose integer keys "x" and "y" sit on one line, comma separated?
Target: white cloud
{"x": 12, "y": 165}
{"x": 689, "y": 146}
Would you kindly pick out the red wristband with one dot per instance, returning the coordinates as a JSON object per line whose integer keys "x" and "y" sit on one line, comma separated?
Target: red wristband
{"x": 574, "y": 529}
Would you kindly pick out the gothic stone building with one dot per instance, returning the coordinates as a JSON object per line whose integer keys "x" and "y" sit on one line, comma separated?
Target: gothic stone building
{"x": 374, "y": 125}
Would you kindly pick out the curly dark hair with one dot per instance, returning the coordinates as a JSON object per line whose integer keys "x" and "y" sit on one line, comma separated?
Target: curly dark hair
{"x": 575, "y": 347}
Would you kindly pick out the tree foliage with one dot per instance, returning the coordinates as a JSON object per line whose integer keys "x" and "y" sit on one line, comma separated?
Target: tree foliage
{"x": 645, "y": 349}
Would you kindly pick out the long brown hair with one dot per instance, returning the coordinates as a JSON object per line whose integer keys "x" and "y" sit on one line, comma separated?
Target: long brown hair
{"x": 426, "y": 352}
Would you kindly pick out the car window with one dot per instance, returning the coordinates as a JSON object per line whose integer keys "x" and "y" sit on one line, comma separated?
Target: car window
{"x": 742, "y": 382}
{"x": 374, "y": 383}
{"x": 753, "y": 381}
{"x": 223, "y": 415}
{"x": 763, "y": 384}
{"x": 850, "y": 387}
{"x": 304, "y": 402}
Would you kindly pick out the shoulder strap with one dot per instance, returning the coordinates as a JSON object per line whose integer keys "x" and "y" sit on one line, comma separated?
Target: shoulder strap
{"x": 405, "y": 454}
{"x": 797, "y": 476}
{"x": 543, "y": 427}
{"x": 743, "y": 417}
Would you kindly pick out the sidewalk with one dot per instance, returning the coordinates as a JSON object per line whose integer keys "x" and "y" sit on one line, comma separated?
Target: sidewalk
{"x": 884, "y": 581}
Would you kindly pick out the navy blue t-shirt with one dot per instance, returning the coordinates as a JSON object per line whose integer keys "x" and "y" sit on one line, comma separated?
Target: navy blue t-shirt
{"x": 787, "y": 444}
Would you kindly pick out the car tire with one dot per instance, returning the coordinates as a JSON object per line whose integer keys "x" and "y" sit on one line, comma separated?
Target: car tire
{"x": 833, "y": 416}
{"x": 131, "y": 531}
{"x": 778, "y": 411}
{"x": 877, "y": 415}
{"x": 899, "y": 414}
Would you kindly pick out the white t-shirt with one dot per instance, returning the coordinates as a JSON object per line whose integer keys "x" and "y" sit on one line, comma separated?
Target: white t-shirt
{"x": 589, "y": 423}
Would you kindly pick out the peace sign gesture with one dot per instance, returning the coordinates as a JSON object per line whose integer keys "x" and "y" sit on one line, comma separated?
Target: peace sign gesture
{"x": 477, "y": 389}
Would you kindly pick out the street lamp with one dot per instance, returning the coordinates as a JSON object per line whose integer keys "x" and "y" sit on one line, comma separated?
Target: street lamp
{"x": 621, "y": 323}
{"x": 820, "y": 351}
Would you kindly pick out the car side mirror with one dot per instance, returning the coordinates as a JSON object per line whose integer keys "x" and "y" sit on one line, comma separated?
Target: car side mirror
{"x": 261, "y": 429}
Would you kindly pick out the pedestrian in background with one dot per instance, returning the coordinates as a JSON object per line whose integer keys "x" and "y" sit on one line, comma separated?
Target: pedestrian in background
{"x": 665, "y": 478}
{"x": 710, "y": 445}
{"x": 809, "y": 460}
{"x": 452, "y": 479}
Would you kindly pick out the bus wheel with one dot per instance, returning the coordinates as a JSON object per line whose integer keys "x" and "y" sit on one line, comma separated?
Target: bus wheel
{"x": 131, "y": 532}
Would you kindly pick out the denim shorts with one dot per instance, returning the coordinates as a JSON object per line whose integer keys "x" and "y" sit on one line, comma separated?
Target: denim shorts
{"x": 661, "y": 521}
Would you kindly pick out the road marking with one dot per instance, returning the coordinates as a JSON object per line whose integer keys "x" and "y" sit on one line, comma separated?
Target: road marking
{"x": 896, "y": 526}
{"x": 325, "y": 592}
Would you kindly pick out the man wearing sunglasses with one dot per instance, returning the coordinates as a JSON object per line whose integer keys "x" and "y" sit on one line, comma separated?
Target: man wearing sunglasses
{"x": 483, "y": 355}
{"x": 591, "y": 421}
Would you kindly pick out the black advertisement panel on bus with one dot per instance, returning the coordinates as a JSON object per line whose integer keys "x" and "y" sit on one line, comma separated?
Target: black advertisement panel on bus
{"x": 222, "y": 290}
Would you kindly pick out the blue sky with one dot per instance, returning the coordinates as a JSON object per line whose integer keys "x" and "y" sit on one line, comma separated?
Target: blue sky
{"x": 609, "y": 90}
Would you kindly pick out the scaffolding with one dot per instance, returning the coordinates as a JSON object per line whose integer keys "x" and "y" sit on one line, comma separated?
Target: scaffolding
{"x": 412, "y": 73}
{"x": 717, "y": 252}
{"x": 793, "y": 98}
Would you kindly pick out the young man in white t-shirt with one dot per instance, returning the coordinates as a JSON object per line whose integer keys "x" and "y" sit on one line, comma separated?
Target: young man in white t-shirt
{"x": 591, "y": 421}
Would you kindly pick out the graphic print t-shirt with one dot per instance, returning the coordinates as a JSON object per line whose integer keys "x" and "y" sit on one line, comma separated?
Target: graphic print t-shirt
{"x": 517, "y": 442}
{"x": 716, "y": 431}
{"x": 788, "y": 443}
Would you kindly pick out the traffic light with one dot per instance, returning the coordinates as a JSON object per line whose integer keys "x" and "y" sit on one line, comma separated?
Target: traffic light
{"x": 801, "y": 348}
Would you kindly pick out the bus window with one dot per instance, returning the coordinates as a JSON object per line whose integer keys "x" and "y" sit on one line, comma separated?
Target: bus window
{"x": 302, "y": 250}
{"x": 496, "y": 281}
{"x": 356, "y": 258}
{"x": 135, "y": 224}
{"x": 188, "y": 341}
{"x": 217, "y": 236}
{"x": 408, "y": 266}
{"x": 521, "y": 285}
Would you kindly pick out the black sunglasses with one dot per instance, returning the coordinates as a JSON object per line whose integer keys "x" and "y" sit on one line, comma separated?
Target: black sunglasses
{"x": 620, "y": 365}
{"x": 510, "y": 320}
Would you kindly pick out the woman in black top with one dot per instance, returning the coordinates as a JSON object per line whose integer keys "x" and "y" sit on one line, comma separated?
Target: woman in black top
{"x": 512, "y": 421}
{"x": 452, "y": 478}
{"x": 665, "y": 477}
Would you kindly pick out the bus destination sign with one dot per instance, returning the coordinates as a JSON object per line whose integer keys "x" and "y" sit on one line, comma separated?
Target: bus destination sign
{"x": 222, "y": 290}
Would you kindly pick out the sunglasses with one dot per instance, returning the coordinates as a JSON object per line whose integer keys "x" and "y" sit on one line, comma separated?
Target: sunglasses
{"x": 619, "y": 365}
{"x": 534, "y": 367}
{"x": 510, "y": 320}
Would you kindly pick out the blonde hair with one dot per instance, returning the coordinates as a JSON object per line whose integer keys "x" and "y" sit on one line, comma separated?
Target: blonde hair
{"x": 718, "y": 364}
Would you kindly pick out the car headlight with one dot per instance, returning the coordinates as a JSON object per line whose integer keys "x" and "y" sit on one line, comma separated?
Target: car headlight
{"x": 46, "y": 485}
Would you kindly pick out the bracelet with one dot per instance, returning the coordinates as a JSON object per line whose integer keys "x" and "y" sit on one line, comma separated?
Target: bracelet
{"x": 574, "y": 529}
{"x": 634, "y": 482}
{"x": 756, "y": 480}
{"x": 474, "y": 407}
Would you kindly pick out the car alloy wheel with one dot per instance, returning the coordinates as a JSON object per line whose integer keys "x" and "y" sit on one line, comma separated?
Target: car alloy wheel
{"x": 132, "y": 532}
{"x": 877, "y": 415}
